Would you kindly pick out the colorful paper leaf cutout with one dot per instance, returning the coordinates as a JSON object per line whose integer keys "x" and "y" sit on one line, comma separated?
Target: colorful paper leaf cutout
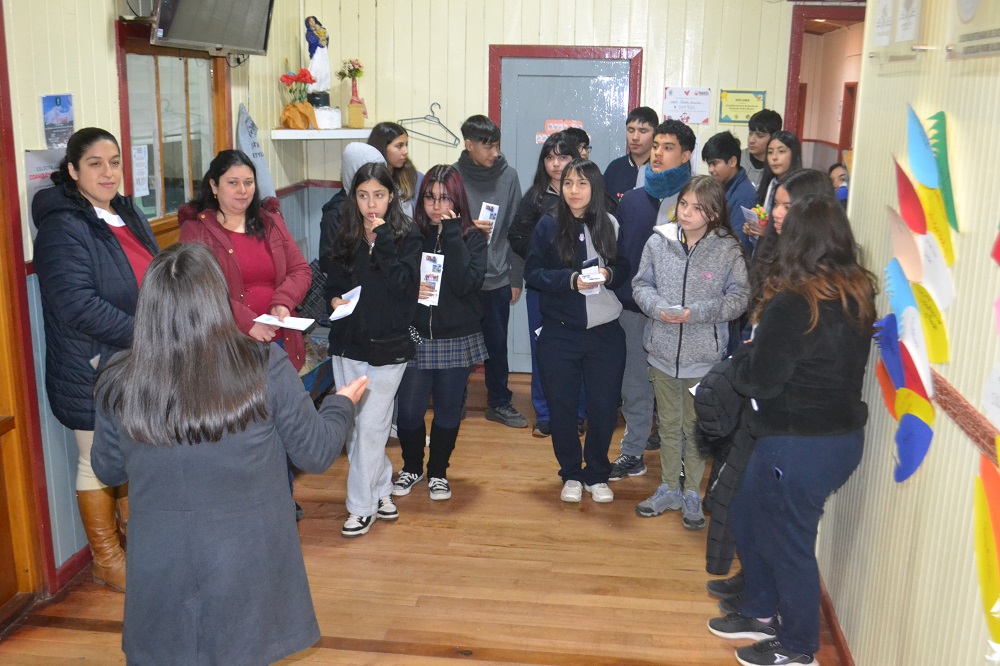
{"x": 986, "y": 558}
{"x": 996, "y": 249}
{"x": 911, "y": 339}
{"x": 935, "y": 332}
{"x": 904, "y": 246}
{"x": 918, "y": 149}
{"x": 939, "y": 144}
{"x": 909, "y": 203}
{"x": 887, "y": 339}
{"x": 897, "y": 287}
{"x": 937, "y": 220}
{"x": 910, "y": 402}
{"x": 888, "y": 390}
{"x": 990, "y": 475}
{"x": 912, "y": 377}
{"x": 913, "y": 440}
{"x": 937, "y": 277}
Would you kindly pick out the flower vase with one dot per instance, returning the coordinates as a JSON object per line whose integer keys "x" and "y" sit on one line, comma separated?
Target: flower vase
{"x": 356, "y": 108}
{"x": 298, "y": 115}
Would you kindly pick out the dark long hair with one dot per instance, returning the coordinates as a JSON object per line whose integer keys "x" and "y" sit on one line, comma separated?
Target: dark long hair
{"x": 191, "y": 375}
{"x": 792, "y": 142}
{"x": 451, "y": 182}
{"x": 596, "y": 217}
{"x": 559, "y": 144}
{"x": 352, "y": 226}
{"x": 818, "y": 259}
{"x": 78, "y": 144}
{"x": 405, "y": 177}
{"x": 802, "y": 183}
{"x": 256, "y": 223}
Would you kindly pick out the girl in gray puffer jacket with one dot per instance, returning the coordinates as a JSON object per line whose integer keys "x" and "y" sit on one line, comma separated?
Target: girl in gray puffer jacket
{"x": 692, "y": 281}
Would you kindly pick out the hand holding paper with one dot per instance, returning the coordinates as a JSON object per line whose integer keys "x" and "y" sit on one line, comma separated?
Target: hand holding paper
{"x": 294, "y": 323}
{"x": 344, "y": 306}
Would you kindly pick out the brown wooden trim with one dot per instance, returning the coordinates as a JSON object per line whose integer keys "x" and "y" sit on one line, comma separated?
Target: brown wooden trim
{"x": 825, "y": 143}
{"x": 836, "y": 632}
{"x": 13, "y": 609}
{"x": 800, "y": 15}
{"x": 167, "y": 230}
{"x": 71, "y": 567}
{"x": 222, "y": 108}
{"x": 125, "y": 140}
{"x": 499, "y": 51}
{"x": 6, "y": 424}
{"x": 970, "y": 420}
{"x": 190, "y": 179}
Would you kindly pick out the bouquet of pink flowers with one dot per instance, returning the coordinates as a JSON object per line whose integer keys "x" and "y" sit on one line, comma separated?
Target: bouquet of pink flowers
{"x": 351, "y": 69}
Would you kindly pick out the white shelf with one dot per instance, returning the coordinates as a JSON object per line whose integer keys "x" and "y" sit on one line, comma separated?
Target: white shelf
{"x": 282, "y": 134}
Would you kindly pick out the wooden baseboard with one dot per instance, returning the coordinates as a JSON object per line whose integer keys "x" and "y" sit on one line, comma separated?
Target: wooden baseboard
{"x": 71, "y": 568}
{"x": 13, "y": 609}
{"x": 837, "y": 633}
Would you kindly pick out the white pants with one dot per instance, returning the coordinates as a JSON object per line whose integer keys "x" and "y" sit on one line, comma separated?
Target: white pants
{"x": 85, "y": 477}
{"x": 370, "y": 475}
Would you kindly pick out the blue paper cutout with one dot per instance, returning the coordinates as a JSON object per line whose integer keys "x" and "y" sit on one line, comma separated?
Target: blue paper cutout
{"x": 913, "y": 440}
{"x": 887, "y": 339}
{"x": 897, "y": 287}
{"x": 923, "y": 164}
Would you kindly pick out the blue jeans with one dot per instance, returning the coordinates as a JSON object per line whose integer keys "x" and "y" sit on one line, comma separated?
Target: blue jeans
{"x": 594, "y": 359}
{"x": 496, "y": 316}
{"x": 775, "y": 516}
{"x": 415, "y": 391}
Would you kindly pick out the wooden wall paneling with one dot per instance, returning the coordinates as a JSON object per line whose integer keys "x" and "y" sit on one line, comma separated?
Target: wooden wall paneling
{"x": 585, "y": 28}
{"x": 463, "y": 56}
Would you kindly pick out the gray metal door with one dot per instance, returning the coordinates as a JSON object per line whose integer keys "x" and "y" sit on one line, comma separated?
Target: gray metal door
{"x": 535, "y": 90}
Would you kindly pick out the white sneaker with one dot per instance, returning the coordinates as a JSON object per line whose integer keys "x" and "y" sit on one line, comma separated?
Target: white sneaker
{"x": 600, "y": 492}
{"x": 572, "y": 491}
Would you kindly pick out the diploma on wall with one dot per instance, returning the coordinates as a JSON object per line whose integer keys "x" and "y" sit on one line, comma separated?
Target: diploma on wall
{"x": 295, "y": 323}
{"x": 352, "y": 297}
{"x": 431, "y": 270}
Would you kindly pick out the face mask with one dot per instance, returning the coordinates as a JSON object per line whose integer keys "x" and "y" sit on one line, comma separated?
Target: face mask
{"x": 666, "y": 183}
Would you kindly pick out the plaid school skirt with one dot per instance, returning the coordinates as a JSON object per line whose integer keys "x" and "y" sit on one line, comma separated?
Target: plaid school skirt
{"x": 447, "y": 353}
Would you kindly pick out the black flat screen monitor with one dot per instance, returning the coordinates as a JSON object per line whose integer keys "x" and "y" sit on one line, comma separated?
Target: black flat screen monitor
{"x": 220, "y": 27}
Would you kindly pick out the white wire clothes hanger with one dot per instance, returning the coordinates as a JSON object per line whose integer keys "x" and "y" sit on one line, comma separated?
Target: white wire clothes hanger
{"x": 432, "y": 119}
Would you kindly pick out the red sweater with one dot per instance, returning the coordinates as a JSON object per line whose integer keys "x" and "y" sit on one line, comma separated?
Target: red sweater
{"x": 292, "y": 275}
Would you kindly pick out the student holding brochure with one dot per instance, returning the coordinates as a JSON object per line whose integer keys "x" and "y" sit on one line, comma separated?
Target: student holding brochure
{"x": 448, "y": 317}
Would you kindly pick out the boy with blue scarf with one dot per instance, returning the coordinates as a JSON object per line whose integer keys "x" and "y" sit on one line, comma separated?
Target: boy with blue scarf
{"x": 640, "y": 210}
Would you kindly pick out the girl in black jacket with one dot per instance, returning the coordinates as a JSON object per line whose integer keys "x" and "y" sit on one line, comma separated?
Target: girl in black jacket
{"x": 91, "y": 252}
{"x": 452, "y": 339}
{"x": 376, "y": 248}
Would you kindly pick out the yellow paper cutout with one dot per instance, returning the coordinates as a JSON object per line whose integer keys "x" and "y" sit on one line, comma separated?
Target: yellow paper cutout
{"x": 911, "y": 402}
{"x": 986, "y": 559}
{"x": 935, "y": 332}
{"x": 937, "y": 220}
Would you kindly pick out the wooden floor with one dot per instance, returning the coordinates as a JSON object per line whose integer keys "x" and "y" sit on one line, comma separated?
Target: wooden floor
{"x": 503, "y": 573}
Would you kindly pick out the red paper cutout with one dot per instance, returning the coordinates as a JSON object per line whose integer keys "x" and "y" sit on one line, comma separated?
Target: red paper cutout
{"x": 996, "y": 249}
{"x": 909, "y": 203}
{"x": 910, "y": 374}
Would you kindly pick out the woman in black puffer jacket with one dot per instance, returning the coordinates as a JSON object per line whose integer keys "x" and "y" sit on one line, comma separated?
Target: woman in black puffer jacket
{"x": 92, "y": 249}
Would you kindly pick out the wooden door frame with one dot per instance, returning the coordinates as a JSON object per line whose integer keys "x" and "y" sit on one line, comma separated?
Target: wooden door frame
{"x": 500, "y": 51}
{"x": 30, "y": 523}
{"x": 842, "y": 147}
{"x": 801, "y": 14}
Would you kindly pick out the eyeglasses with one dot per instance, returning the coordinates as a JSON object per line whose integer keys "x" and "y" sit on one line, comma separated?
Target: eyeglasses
{"x": 587, "y": 147}
{"x": 444, "y": 200}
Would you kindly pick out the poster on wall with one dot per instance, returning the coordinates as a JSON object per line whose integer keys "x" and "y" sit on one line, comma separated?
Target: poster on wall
{"x": 38, "y": 167}
{"x": 974, "y": 28}
{"x": 691, "y": 106}
{"x": 553, "y": 125}
{"x": 907, "y": 20}
{"x": 57, "y": 119}
{"x": 736, "y": 106}
{"x": 883, "y": 23}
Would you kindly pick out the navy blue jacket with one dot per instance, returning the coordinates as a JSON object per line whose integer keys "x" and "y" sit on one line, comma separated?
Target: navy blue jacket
{"x": 89, "y": 292}
{"x": 545, "y": 271}
{"x": 459, "y": 311}
{"x": 637, "y": 213}
{"x": 740, "y": 192}
{"x": 620, "y": 176}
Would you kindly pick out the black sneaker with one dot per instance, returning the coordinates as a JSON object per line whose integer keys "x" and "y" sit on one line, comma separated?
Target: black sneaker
{"x": 387, "y": 509}
{"x": 507, "y": 415}
{"x": 626, "y": 465}
{"x": 738, "y": 627}
{"x": 653, "y": 443}
{"x": 770, "y": 652}
{"x": 541, "y": 429}
{"x": 731, "y": 604}
{"x": 726, "y": 587}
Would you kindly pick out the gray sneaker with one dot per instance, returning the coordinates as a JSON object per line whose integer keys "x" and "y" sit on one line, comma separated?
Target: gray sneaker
{"x": 664, "y": 499}
{"x": 627, "y": 465}
{"x": 694, "y": 518}
{"x": 737, "y": 627}
{"x": 507, "y": 415}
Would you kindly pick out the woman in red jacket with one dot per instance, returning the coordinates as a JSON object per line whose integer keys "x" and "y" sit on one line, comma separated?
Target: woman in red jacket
{"x": 264, "y": 269}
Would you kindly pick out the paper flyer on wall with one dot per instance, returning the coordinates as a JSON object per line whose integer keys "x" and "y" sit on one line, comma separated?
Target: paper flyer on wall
{"x": 431, "y": 270}
{"x": 38, "y": 168}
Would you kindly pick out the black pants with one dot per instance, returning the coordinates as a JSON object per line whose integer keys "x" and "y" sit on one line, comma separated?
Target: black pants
{"x": 595, "y": 359}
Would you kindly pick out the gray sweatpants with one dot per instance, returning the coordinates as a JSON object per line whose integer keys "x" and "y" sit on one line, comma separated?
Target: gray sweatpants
{"x": 370, "y": 475}
{"x": 637, "y": 391}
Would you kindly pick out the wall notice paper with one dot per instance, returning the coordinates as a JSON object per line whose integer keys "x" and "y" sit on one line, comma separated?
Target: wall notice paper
{"x": 140, "y": 171}
{"x": 883, "y": 23}
{"x": 553, "y": 125}
{"x": 736, "y": 106}
{"x": 38, "y": 168}
{"x": 691, "y": 106}
{"x": 352, "y": 297}
{"x": 907, "y": 20}
{"x": 57, "y": 119}
{"x": 490, "y": 212}
{"x": 294, "y": 323}
{"x": 431, "y": 270}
